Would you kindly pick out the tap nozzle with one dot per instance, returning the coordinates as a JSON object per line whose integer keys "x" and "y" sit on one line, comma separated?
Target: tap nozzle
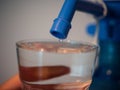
{"x": 62, "y": 23}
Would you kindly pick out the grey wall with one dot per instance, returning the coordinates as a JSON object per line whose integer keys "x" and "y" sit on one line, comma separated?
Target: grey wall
{"x": 28, "y": 19}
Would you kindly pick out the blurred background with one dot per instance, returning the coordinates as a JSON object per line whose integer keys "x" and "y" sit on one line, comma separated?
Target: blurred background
{"x": 32, "y": 19}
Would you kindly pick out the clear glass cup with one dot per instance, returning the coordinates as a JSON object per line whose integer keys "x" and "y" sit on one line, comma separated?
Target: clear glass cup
{"x": 54, "y": 65}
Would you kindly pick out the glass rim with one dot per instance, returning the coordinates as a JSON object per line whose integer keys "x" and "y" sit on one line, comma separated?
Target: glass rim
{"x": 69, "y": 42}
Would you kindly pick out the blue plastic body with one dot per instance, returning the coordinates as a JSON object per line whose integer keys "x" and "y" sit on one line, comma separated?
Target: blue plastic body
{"x": 107, "y": 74}
{"x": 109, "y": 27}
{"x": 62, "y": 23}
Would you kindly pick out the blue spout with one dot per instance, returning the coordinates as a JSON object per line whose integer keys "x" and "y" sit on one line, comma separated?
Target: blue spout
{"x": 62, "y": 24}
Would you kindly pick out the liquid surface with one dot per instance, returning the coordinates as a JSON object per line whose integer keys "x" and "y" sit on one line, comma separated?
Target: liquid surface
{"x": 57, "y": 47}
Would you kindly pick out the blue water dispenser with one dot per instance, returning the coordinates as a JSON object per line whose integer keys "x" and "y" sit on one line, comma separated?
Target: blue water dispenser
{"x": 107, "y": 74}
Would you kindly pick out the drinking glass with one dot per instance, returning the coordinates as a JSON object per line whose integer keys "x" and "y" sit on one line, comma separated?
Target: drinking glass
{"x": 56, "y": 65}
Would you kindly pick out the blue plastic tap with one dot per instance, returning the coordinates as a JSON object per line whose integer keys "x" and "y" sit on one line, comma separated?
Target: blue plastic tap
{"x": 62, "y": 24}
